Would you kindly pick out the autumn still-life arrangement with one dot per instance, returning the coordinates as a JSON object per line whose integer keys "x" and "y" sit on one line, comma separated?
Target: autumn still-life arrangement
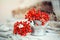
{"x": 24, "y": 27}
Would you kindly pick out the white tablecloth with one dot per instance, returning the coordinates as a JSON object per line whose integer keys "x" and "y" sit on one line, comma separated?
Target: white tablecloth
{"x": 8, "y": 35}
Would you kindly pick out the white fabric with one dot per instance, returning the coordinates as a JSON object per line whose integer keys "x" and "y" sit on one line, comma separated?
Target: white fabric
{"x": 8, "y": 35}
{"x": 4, "y": 28}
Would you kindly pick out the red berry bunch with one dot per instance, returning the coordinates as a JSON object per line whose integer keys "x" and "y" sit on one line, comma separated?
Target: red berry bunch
{"x": 37, "y": 15}
{"x": 22, "y": 30}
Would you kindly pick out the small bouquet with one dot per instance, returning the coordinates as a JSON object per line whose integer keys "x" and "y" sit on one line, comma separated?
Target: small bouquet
{"x": 39, "y": 18}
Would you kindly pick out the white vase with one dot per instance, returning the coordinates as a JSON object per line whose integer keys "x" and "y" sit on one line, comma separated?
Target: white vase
{"x": 39, "y": 30}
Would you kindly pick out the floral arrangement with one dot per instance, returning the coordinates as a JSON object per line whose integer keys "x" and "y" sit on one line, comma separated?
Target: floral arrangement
{"x": 22, "y": 28}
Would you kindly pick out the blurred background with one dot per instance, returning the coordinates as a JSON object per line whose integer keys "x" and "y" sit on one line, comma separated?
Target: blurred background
{"x": 6, "y": 7}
